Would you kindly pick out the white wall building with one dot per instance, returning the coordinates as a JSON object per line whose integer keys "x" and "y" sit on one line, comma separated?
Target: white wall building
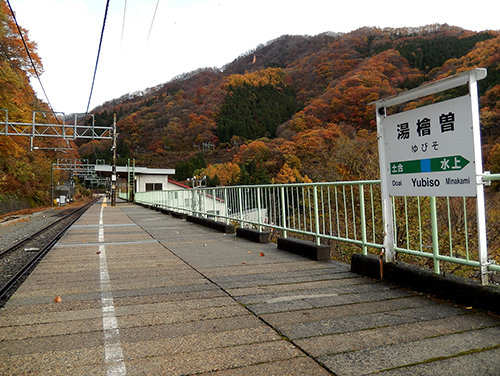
{"x": 146, "y": 179}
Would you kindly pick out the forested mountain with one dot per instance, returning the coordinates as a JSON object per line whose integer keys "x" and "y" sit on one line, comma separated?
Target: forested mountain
{"x": 295, "y": 109}
{"x": 298, "y": 106}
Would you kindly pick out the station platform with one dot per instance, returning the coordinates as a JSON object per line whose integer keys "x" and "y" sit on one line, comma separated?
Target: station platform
{"x": 131, "y": 291}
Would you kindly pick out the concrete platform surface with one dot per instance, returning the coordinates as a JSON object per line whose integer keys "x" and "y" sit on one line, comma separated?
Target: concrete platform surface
{"x": 143, "y": 293}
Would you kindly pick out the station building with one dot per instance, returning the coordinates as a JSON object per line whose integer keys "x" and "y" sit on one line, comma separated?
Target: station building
{"x": 145, "y": 179}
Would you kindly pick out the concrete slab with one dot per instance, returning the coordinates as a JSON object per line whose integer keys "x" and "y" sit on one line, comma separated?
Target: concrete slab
{"x": 485, "y": 363}
{"x": 215, "y": 359}
{"x": 389, "y": 335}
{"x": 421, "y": 351}
{"x": 341, "y": 311}
{"x": 301, "y": 367}
{"x": 144, "y": 293}
{"x": 368, "y": 321}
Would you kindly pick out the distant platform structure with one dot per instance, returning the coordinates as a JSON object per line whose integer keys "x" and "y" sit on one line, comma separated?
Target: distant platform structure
{"x": 146, "y": 179}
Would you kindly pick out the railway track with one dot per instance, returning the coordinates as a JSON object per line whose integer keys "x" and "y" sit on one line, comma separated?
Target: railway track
{"x": 17, "y": 260}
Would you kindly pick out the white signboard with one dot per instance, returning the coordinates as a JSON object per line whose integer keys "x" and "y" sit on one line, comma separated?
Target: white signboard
{"x": 429, "y": 151}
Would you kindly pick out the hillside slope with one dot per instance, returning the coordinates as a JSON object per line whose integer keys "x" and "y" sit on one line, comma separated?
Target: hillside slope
{"x": 303, "y": 98}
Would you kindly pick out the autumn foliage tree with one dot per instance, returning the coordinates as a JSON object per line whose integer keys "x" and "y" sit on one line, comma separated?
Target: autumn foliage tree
{"x": 226, "y": 173}
{"x": 16, "y": 94}
{"x": 24, "y": 174}
{"x": 289, "y": 174}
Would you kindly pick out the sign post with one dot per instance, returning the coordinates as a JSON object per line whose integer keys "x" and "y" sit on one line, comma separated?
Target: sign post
{"x": 432, "y": 151}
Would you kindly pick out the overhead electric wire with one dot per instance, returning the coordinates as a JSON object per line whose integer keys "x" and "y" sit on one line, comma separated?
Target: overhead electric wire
{"x": 98, "y": 54}
{"x": 31, "y": 60}
{"x": 123, "y": 23}
{"x": 152, "y": 21}
{"x": 95, "y": 70}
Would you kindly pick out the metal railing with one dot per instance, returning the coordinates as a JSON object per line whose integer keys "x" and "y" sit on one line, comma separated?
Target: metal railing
{"x": 429, "y": 231}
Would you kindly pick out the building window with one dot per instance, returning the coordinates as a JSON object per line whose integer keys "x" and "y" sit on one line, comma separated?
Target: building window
{"x": 154, "y": 187}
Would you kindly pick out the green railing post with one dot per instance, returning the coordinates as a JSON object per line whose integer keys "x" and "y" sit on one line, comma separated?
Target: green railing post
{"x": 283, "y": 211}
{"x": 316, "y": 215}
{"x": 193, "y": 201}
{"x": 214, "y": 201}
{"x": 226, "y": 212}
{"x": 258, "y": 210}
{"x": 240, "y": 199}
{"x": 435, "y": 235}
{"x": 362, "y": 217}
{"x": 203, "y": 202}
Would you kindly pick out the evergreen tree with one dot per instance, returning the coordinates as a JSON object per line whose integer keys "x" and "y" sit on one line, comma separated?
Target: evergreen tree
{"x": 253, "y": 111}
{"x": 427, "y": 53}
{"x": 186, "y": 169}
{"x": 214, "y": 181}
{"x": 252, "y": 174}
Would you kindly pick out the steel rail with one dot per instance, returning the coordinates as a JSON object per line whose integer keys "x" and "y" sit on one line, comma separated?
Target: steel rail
{"x": 15, "y": 278}
{"x": 30, "y": 237}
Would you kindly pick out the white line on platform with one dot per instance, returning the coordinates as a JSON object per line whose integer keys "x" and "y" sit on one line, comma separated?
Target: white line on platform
{"x": 299, "y": 297}
{"x": 59, "y": 245}
{"x": 112, "y": 348}
{"x": 105, "y": 226}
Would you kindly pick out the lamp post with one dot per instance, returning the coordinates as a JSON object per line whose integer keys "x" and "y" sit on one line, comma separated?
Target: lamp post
{"x": 197, "y": 183}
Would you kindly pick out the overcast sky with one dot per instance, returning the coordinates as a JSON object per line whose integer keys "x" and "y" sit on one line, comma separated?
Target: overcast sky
{"x": 191, "y": 34}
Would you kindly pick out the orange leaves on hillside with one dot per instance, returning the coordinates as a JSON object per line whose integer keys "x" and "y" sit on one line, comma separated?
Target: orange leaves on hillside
{"x": 289, "y": 174}
{"x": 374, "y": 80}
{"x": 228, "y": 173}
{"x": 302, "y": 121}
{"x": 200, "y": 129}
{"x": 10, "y": 152}
{"x": 312, "y": 141}
{"x": 329, "y": 154}
{"x": 484, "y": 54}
{"x": 493, "y": 159}
{"x": 13, "y": 43}
{"x": 10, "y": 149}
{"x": 269, "y": 76}
{"x": 288, "y": 148}
{"x": 175, "y": 134}
{"x": 95, "y": 145}
{"x": 345, "y": 100}
{"x": 256, "y": 150}
{"x": 23, "y": 173}
{"x": 206, "y": 137}
{"x": 490, "y": 113}
{"x": 357, "y": 157}
{"x": 15, "y": 68}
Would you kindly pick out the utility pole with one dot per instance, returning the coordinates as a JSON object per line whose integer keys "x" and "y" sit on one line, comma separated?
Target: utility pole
{"x": 52, "y": 184}
{"x": 113, "y": 173}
